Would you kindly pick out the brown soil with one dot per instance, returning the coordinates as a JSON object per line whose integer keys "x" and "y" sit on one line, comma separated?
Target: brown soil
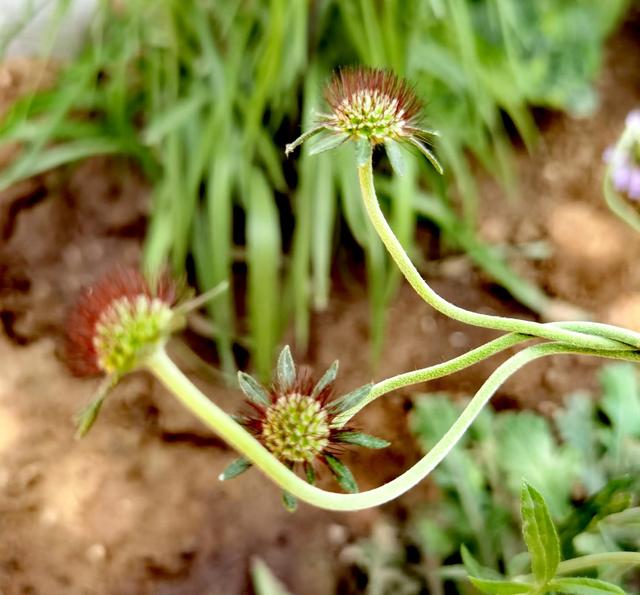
{"x": 135, "y": 508}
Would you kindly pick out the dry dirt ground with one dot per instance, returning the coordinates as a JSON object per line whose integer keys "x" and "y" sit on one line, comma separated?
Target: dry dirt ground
{"x": 135, "y": 508}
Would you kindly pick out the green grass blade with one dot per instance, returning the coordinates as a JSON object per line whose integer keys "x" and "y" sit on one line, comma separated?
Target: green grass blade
{"x": 263, "y": 264}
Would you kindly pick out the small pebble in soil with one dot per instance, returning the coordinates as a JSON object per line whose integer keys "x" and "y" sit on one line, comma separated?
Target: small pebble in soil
{"x": 96, "y": 553}
{"x": 458, "y": 340}
{"x": 337, "y": 534}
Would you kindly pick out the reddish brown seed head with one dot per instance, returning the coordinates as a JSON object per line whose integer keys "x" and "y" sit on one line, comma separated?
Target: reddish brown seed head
{"x": 117, "y": 318}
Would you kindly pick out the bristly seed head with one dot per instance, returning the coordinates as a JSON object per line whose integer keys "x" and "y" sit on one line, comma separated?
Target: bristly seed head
{"x": 118, "y": 321}
{"x": 296, "y": 420}
{"x": 374, "y": 105}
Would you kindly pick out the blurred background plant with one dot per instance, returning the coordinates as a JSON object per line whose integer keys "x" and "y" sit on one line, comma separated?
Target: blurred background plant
{"x": 584, "y": 461}
{"x": 203, "y": 95}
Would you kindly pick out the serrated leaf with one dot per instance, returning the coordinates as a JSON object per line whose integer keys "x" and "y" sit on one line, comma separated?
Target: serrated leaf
{"x": 361, "y": 439}
{"x": 396, "y": 158}
{"x": 264, "y": 581}
{"x": 528, "y": 449}
{"x": 286, "y": 369}
{"x": 539, "y": 534}
{"x": 290, "y": 502}
{"x": 328, "y": 142}
{"x": 342, "y": 474}
{"x": 584, "y": 586}
{"x": 254, "y": 391}
{"x": 350, "y": 399}
{"x": 621, "y": 399}
{"x": 234, "y": 469}
{"x": 327, "y": 378}
{"x": 500, "y": 587}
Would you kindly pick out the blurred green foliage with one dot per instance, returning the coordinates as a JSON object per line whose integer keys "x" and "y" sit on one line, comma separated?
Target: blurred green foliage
{"x": 584, "y": 461}
{"x": 205, "y": 93}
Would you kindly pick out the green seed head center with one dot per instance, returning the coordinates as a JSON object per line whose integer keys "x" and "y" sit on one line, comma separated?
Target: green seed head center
{"x": 371, "y": 114}
{"x": 296, "y": 428}
{"x": 129, "y": 329}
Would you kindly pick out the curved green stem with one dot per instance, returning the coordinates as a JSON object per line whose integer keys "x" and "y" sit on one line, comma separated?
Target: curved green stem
{"x": 580, "y": 334}
{"x": 236, "y": 436}
{"x": 432, "y": 372}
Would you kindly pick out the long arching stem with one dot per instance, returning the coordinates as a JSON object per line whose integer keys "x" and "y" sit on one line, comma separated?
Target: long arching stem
{"x": 580, "y": 334}
{"x": 236, "y": 436}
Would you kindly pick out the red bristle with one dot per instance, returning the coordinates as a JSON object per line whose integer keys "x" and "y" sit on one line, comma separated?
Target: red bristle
{"x": 94, "y": 300}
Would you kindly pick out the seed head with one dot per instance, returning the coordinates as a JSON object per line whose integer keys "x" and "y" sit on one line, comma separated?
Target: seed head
{"x": 119, "y": 320}
{"x": 295, "y": 420}
{"x": 624, "y": 159}
{"x": 374, "y": 105}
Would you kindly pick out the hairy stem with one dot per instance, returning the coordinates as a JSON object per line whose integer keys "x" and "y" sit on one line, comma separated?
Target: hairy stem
{"x": 587, "y": 335}
{"x": 237, "y": 437}
{"x": 432, "y": 372}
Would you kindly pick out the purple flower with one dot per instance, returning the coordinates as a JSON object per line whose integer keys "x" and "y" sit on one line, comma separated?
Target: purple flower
{"x": 624, "y": 158}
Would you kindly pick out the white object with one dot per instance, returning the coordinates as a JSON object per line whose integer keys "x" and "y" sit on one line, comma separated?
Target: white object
{"x": 35, "y": 29}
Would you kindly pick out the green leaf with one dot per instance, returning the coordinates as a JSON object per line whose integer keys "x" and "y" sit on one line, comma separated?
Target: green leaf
{"x": 310, "y": 473}
{"x": 175, "y": 117}
{"x": 254, "y": 391}
{"x": 264, "y": 581}
{"x": 286, "y": 369}
{"x": 474, "y": 568}
{"x": 363, "y": 151}
{"x": 264, "y": 252}
{"x": 396, "y": 158}
{"x": 360, "y": 439}
{"x": 327, "y": 378}
{"x": 539, "y": 534}
{"x": 234, "y": 469}
{"x": 290, "y": 502}
{"x": 583, "y": 586}
{"x": 88, "y": 416}
{"x": 621, "y": 399}
{"x": 500, "y": 587}
{"x": 350, "y": 399}
{"x": 326, "y": 143}
{"x": 529, "y": 449}
{"x": 342, "y": 474}
{"x": 428, "y": 154}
